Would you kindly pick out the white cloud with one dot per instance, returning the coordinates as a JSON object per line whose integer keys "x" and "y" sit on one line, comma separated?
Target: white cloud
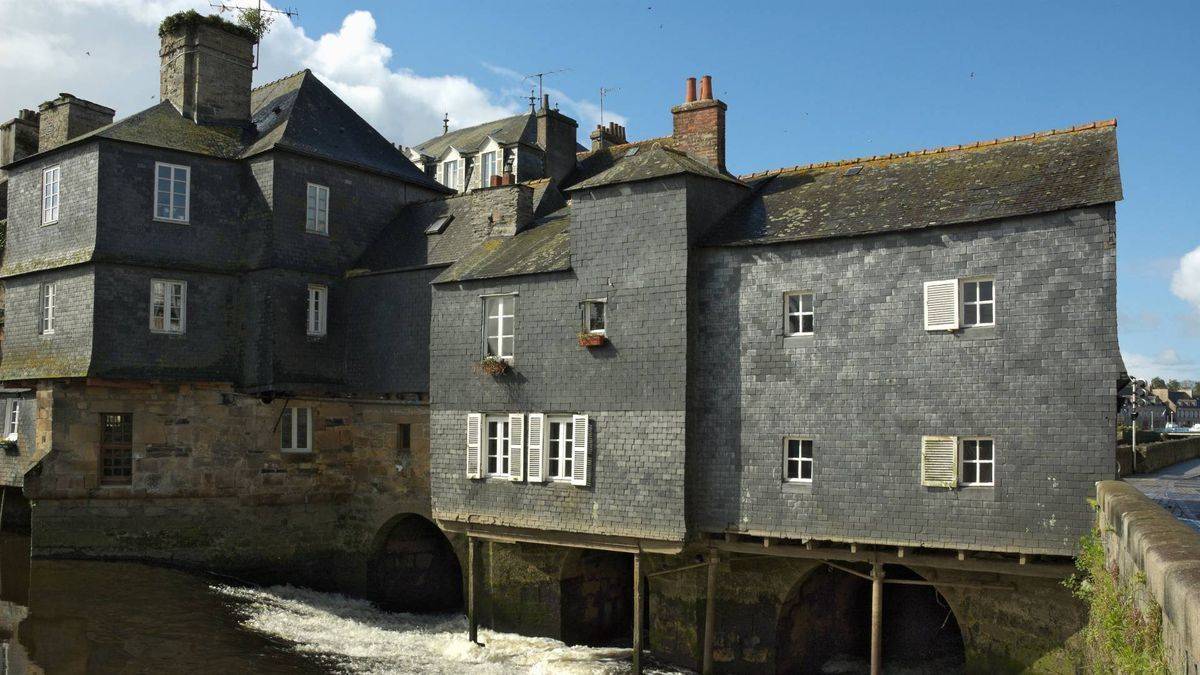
{"x": 1167, "y": 364}
{"x": 1185, "y": 282}
{"x": 107, "y": 51}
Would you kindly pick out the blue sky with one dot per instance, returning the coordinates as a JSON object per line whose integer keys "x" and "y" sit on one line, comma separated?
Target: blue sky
{"x": 804, "y": 82}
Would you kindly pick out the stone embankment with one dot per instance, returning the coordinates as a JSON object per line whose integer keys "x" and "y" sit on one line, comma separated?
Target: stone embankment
{"x": 1155, "y": 456}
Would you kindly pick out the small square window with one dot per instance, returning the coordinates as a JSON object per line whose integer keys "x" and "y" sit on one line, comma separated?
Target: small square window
{"x": 979, "y": 302}
{"x": 798, "y": 460}
{"x": 978, "y": 461}
{"x": 594, "y": 316}
{"x": 799, "y": 316}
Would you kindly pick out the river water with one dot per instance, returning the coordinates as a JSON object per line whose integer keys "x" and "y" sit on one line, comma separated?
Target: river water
{"x": 60, "y": 616}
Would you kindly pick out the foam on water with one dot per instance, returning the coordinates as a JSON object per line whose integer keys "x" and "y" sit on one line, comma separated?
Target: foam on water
{"x": 353, "y": 636}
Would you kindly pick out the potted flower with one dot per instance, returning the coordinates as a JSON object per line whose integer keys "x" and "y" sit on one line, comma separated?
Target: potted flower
{"x": 590, "y": 339}
{"x": 492, "y": 365}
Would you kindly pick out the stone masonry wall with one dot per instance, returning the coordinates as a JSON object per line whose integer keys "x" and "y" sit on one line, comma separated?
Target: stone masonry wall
{"x": 872, "y": 381}
{"x": 212, "y": 490}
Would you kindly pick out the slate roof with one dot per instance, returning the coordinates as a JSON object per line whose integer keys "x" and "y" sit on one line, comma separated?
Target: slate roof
{"x": 1018, "y": 175}
{"x": 297, "y": 112}
{"x": 543, "y": 247}
{"x": 404, "y": 243}
{"x": 630, "y": 162}
{"x": 516, "y": 129}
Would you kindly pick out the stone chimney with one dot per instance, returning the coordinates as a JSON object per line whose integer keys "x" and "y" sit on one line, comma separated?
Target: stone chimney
{"x": 604, "y": 137}
{"x": 68, "y": 117}
{"x": 205, "y": 71}
{"x": 19, "y": 137}
{"x": 556, "y": 136}
{"x": 699, "y": 124}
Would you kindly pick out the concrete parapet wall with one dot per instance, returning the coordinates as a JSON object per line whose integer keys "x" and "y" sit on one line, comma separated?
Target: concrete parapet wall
{"x": 1141, "y": 537}
{"x": 1155, "y": 456}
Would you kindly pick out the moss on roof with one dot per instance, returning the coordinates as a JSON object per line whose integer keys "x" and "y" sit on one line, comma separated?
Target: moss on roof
{"x": 191, "y": 17}
{"x": 636, "y": 162}
{"x": 544, "y": 247}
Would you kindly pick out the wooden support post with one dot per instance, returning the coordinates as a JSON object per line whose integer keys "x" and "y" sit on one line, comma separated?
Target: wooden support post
{"x": 876, "y": 619}
{"x": 472, "y": 619}
{"x": 710, "y": 612}
{"x": 637, "y": 613}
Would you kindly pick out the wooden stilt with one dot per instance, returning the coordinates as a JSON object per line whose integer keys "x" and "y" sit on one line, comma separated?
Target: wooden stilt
{"x": 710, "y": 611}
{"x": 637, "y": 614}
{"x": 472, "y": 619}
{"x": 876, "y": 619}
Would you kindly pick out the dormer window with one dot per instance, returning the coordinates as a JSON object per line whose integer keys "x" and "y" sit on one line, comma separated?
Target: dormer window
{"x": 487, "y": 168}
{"x": 450, "y": 174}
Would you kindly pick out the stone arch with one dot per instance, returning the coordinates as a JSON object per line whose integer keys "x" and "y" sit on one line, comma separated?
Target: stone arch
{"x": 596, "y": 591}
{"x": 825, "y": 625}
{"x": 414, "y": 568}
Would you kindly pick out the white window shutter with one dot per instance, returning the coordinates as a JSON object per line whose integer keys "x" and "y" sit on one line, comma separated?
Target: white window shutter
{"x": 579, "y": 449}
{"x": 939, "y": 461}
{"x": 534, "y": 431}
{"x": 474, "y": 431}
{"x": 516, "y": 446}
{"x": 941, "y": 305}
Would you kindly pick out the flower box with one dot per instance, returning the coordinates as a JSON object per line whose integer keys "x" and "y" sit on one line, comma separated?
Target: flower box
{"x": 492, "y": 365}
{"x": 592, "y": 339}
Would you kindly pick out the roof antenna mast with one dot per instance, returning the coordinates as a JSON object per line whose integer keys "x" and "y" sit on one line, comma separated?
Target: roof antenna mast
{"x": 603, "y": 92}
{"x": 540, "y": 76}
{"x": 257, "y": 19}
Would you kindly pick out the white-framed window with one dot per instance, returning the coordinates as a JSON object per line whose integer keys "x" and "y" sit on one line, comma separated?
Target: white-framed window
{"x": 978, "y": 461}
{"x": 798, "y": 314}
{"x": 487, "y": 168}
{"x": 498, "y": 451}
{"x": 168, "y": 306}
{"x": 499, "y": 312}
{"x": 594, "y": 316}
{"x": 295, "y": 429}
{"x": 318, "y": 309}
{"x": 48, "y": 300}
{"x": 798, "y": 460}
{"x": 172, "y": 186}
{"x": 12, "y": 418}
{"x": 51, "y": 187}
{"x": 316, "y": 217}
{"x": 979, "y": 302}
{"x": 450, "y": 174}
{"x": 561, "y": 448}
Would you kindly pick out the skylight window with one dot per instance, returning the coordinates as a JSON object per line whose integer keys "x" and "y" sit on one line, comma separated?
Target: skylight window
{"x": 853, "y": 171}
{"x": 632, "y": 151}
{"x": 438, "y": 226}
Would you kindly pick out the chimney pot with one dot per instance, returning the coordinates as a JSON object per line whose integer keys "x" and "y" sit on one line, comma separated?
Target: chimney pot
{"x": 545, "y": 101}
{"x": 690, "y": 94}
{"x": 706, "y": 88}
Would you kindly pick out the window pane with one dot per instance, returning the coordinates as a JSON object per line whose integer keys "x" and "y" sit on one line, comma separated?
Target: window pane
{"x": 164, "y": 172}
{"x": 985, "y": 449}
{"x": 793, "y": 323}
{"x": 806, "y": 470}
{"x": 793, "y": 303}
{"x": 793, "y": 469}
{"x": 793, "y": 448}
{"x": 969, "y": 473}
{"x": 806, "y": 302}
{"x": 806, "y": 449}
{"x": 985, "y": 313}
{"x": 808, "y": 323}
{"x": 302, "y": 428}
{"x": 985, "y": 473}
{"x": 970, "y": 314}
{"x": 985, "y": 290}
{"x": 285, "y": 423}
{"x": 968, "y": 450}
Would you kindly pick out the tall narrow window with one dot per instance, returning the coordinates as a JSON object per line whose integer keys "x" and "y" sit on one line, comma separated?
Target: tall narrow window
{"x": 318, "y": 301}
{"x": 171, "y": 186}
{"x": 50, "y": 194}
{"x": 12, "y": 418}
{"x": 47, "y": 309}
{"x": 562, "y": 446}
{"x": 978, "y": 462}
{"x": 116, "y": 449}
{"x": 593, "y": 316}
{"x": 979, "y": 302}
{"x": 798, "y": 309}
{"x": 317, "y": 218}
{"x": 168, "y": 306}
{"x": 404, "y": 436}
{"x": 497, "y": 445}
{"x": 798, "y": 460}
{"x": 487, "y": 168}
{"x": 498, "y": 331}
{"x": 450, "y": 174}
{"x": 296, "y": 429}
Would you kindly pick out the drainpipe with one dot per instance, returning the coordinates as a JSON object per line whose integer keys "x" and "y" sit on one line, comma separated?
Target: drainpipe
{"x": 876, "y": 619}
{"x": 637, "y": 613}
{"x": 710, "y": 611}
{"x": 472, "y": 620}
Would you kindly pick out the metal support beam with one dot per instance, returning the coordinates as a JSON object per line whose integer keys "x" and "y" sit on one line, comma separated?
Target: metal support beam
{"x": 637, "y": 614}
{"x": 472, "y": 619}
{"x": 876, "y": 619}
{"x": 710, "y": 611}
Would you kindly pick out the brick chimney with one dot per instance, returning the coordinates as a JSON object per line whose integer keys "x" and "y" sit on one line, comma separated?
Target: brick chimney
{"x": 68, "y": 117}
{"x": 556, "y": 136}
{"x": 205, "y": 69}
{"x": 699, "y": 124}
{"x": 604, "y": 137}
{"x": 19, "y": 137}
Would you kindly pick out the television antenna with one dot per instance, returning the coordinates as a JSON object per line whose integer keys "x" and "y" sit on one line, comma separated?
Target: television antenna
{"x": 262, "y": 28}
{"x": 540, "y": 76}
{"x": 604, "y": 91}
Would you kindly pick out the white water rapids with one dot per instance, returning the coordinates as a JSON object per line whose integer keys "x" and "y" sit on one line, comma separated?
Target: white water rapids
{"x": 353, "y": 636}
